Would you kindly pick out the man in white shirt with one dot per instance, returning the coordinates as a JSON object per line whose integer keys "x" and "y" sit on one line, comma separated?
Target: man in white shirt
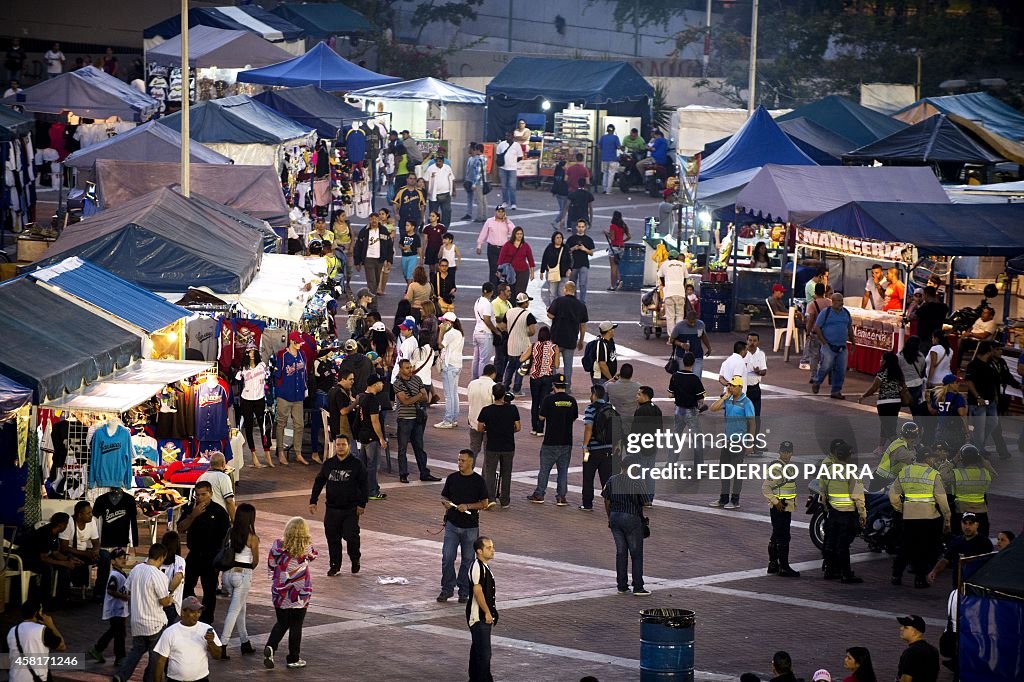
{"x": 148, "y": 587}
{"x": 483, "y": 332}
{"x": 81, "y": 540}
{"x": 441, "y": 187}
{"x": 508, "y": 154}
{"x": 13, "y": 90}
{"x": 673, "y": 277}
{"x": 757, "y": 368}
{"x": 479, "y": 396}
{"x": 407, "y": 345}
{"x": 874, "y": 289}
{"x": 735, "y": 365}
{"x": 181, "y": 652}
{"x": 220, "y": 482}
{"x": 37, "y": 637}
{"x": 54, "y": 61}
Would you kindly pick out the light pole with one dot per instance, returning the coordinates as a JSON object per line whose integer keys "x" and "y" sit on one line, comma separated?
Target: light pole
{"x": 185, "y": 128}
{"x": 752, "y": 75}
{"x": 707, "y": 40}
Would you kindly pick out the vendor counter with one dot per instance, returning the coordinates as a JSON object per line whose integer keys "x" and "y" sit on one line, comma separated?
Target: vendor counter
{"x": 875, "y": 332}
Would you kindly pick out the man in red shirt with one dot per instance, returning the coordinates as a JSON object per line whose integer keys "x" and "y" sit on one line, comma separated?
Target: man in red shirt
{"x": 576, "y": 171}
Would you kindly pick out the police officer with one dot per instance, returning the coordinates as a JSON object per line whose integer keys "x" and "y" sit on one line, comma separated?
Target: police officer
{"x": 826, "y": 465}
{"x": 843, "y": 496}
{"x": 971, "y": 481}
{"x": 919, "y": 494}
{"x": 780, "y": 491}
{"x": 897, "y": 455}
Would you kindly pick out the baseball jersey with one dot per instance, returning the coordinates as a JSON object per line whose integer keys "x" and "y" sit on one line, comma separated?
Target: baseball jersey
{"x": 211, "y": 412}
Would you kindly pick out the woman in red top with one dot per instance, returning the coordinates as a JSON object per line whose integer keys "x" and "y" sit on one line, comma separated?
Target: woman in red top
{"x": 617, "y": 235}
{"x": 517, "y": 253}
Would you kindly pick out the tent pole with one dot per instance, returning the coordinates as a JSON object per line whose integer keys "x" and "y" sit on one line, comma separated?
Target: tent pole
{"x": 186, "y": 130}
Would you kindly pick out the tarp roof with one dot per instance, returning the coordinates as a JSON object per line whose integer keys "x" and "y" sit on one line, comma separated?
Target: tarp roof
{"x": 244, "y": 18}
{"x": 1004, "y": 572}
{"x": 424, "y": 89}
{"x": 999, "y": 193}
{"x": 308, "y": 105}
{"x": 323, "y": 20}
{"x": 281, "y": 288}
{"x": 322, "y": 67}
{"x": 33, "y": 354}
{"x": 14, "y": 124}
{"x": 935, "y": 139}
{"x": 980, "y": 107}
{"x": 239, "y": 120}
{"x": 88, "y": 92}
{"x": 815, "y": 136}
{"x": 936, "y": 229}
{"x": 1008, "y": 149}
{"x": 162, "y": 241}
{"x": 796, "y": 194}
{"x": 150, "y": 141}
{"x": 128, "y": 387}
{"x": 253, "y": 190}
{"x": 722, "y": 191}
{"x": 12, "y": 396}
{"x": 271, "y": 240}
{"x": 83, "y": 280}
{"x": 569, "y": 80}
{"x": 758, "y": 142}
{"x": 858, "y": 124}
{"x": 219, "y": 47}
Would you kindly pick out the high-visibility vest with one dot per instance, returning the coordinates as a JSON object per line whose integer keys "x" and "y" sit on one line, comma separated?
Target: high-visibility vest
{"x": 838, "y": 492}
{"x": 786, "y": 490}
{"x": 918, "y": 483}
{"x": 887, "y": 468}
{"x": 970, "y": 484}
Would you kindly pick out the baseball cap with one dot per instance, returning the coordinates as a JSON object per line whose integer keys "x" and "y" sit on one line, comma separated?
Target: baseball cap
{"x": 499, "y": 207}
{"x": 969, "y": 516}
{"x": 523, "y": 298}
{"x": 606, "y": 326}
{"x": 117, "y": 553}
{"x": 191, "y": 604}
{"x": 916, "y": 622}
{"x": 558, "y": 379}
{"x": 378, "y": 327}
{"x": 450, "y": 317}
{"x": 949, "y": 379}
{"x": 363, "y": 292}
{"x": 295, "y": 337}
{"x": 372, "y": 355}
{"x": 786, "y": 446}
{"x": 408, "y": 324}
{"x": 351, "y": 345}
{"x": 673, "y": 254}
{"x": 821, "y": 676}
{"x": 736, "y": 381}
{"x": 373, "y": 379}
{"x": 779, "y": 287}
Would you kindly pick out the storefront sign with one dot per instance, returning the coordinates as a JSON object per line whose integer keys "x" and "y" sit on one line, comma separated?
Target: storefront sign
{"x": 872, "y": 337}
{"x": 849, "y": 246}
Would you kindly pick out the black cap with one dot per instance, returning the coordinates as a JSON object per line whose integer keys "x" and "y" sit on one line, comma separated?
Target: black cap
{"x": 558, "y": 379}
{"x": 373, "y": 379}
{"x": 786, "y": 446}
{"x": 968, "y": 516}
{"x": 916, "y": 622}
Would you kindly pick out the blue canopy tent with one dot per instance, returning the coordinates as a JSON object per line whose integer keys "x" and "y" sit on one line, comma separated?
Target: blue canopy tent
{"x": 218, "y": 47}
{"x": 87, "y": 92}
{"x": 12, "y": 396}
{"x": 14, "y": 124}
{"x": 856, "y": 123}
{"x": 526, "y": 82}
{"x": 252, "y": 18}
{"x": 980, "y": 107}
{"x": 990, "y": 619}
{"x": 936, "y": 139}
{"x": 760, "y": 141}
{"x": 322, "y": 67}
{"x": 821, "y": 144}
{"x": 424, "y": 89}
{"x": 310, "y": 106}
{"x": 323, "y": 20}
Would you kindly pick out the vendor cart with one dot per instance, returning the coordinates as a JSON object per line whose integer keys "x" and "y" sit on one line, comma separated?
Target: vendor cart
{"x": 652, "y": 312}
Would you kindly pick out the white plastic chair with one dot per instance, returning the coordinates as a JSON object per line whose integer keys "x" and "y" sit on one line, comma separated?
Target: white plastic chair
{"x": 789, "y": 331}
{"x": 15, "y": 569}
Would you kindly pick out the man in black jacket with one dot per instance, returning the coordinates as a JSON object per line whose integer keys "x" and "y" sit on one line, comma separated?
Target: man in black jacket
{"x": 347, "y": 494}
{"x": 206, "y": 525}
{"x": 374, "y": 247}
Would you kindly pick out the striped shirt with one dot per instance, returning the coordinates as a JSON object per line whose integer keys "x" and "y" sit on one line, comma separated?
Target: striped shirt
{"x": 627, "y": 495}
{"x": 147, "y": 585}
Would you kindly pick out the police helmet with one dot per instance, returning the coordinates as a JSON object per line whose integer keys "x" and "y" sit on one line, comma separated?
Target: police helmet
{"x": 910, "y": 430}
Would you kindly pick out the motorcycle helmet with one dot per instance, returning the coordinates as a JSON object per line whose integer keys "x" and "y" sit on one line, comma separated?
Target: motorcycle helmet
{"x": 910, "y": 430}
{"x": 969, "y": 454}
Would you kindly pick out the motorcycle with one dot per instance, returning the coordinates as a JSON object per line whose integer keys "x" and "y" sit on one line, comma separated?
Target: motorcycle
{"x": 879, "y": 532}
{"x": 628, "y": 176}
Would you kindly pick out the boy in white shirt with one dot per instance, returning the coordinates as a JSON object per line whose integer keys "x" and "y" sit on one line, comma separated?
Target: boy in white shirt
{"x": 115, "y": 610}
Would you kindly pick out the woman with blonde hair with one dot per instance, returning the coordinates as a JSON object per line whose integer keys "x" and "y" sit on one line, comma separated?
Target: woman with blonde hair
{"x": 291, "y": 589}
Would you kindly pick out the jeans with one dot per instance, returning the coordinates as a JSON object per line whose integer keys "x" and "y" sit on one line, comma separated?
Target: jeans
{"x": 688, "y": 420}
{"x": 286, "y": 409}
{"x": 736, "y": 484}
{"x": 483, "y": 352}
{"x": 608, "y": 174}
{"x": 290, "y": 621}
{"x": 557, "y": 456}
{"x": 754, "y": 393}
{"x": 199, "y": 569}
{"x": 141, "y": 644}
{"x": 812, "y": 352}
{"x": 369, "y": 455}
{"x": 601, "y": 464}
{"x": 457, "y": 540}
{"x": 409, "y": 264}
{"x": 237, "y": 582}
{"x": 835, "y": 363}
{"x": 579, "y": 277}
{"x": 317, "y": 425}
{"x": 508, "y": 186}
{"x": 567, "y": 354}
{"x": 512, "y": 378}
{"x": 555, "y": 289}
{"x": 115, "y": 632}
{"x": 480, "y": 650}
{"x": 628, "y": 531}
{"x": 476, "y": 441}
{"x": 500, "y": 360}
{"x": 491, "y": 462}
{"x": 450, "y": 382}
{"x": 444, "y": 208}
{"x": 984, "y": 419}
{"x": 409, "y": 431}
{"x": 563, "y": 204}
{"x": 476, "y": 196}
{"x": 539, "y": 389}
{"x": 341, "y": 524}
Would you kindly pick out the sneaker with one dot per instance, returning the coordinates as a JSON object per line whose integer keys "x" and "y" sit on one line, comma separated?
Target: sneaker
{"x": 403, "y": 479}
{"x": 815, "y": 388}
{"x": 512, "y": 207}
{"x": 732, "y": 504}
{"x": 536, "y": 433}
{"x": 268, "y": 657}
{"x": 717, "y": 503}
{"x": 335, "y": 570}
{"x": 623, "y": 590}
{"x": 642, "y": 592}
{"x": 585, "y": 508}
{"x": 491, "y": 504}
{"x": 837, "y": 396}
{"x": 451, "y": 425}
{"x": 443, "y": 597}
{"x": 95, "y": 655}
{"x": 561, "y": 502}
{"x": 463, "y": 600}
{"x": 505, "y": 506}
{"x": 443, "y": 425}
{"x": 379, "y": 496}
{"x": 536, "y": 499}
{"x": 804, "y": 365}
{"x": 297, "y": 664}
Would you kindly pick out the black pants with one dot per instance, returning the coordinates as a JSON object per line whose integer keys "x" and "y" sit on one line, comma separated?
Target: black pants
{"x": 41, "y": 589}
{"x": 781, "y": 521}
{"x": 492, "y": 263}
{"x": 918, "y": 546}
{"x": 840, "y": 530}
{"x": 480, "y": 653}
{"x": 252, "y": 413}
{"x": 601, "y": 464}
{"x": 199, "y": 569}
{"x": 498, "y": 489}
{"x": 539, "y": 389}
{"x": 888, "y": 417}
{"x": 115, "y": 632}
{"x": 500, "y": 359}
{"x": 342, "y": 524}
{"x": 754, "y": 393}
{"x": 290, "y": 621}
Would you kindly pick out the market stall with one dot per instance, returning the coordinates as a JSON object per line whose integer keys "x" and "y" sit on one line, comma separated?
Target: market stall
{"x": 310, "y": 106}
{"x": 15, "y": 417}
{"x": 85, "y": 93}
{"x": 253, "y": 18}
{"x": 847, "y": 118}
{"x": 18, "y": 185}
{"x": 322, "y": 67}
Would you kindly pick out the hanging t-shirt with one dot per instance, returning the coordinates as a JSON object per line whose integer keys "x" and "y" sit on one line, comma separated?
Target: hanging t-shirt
{"x": 355, "y": 145}
{"x": 118, "y": 527}
{"x": 110, "y": 460}
{"x": 273, "y": 340}
{"x": 201, "y": 335}
{"x": 226, "y": 353}
{"x": 145, "y": 445}
{"x": 212, "y": 412}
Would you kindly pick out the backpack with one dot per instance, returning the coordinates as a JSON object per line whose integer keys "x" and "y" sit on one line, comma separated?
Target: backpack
{"x": 590, "y": 356}
{"x": 607, "y": 429}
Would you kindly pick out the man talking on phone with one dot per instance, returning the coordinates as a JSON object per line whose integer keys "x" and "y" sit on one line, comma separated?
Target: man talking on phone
{"x": 463, "y": 496}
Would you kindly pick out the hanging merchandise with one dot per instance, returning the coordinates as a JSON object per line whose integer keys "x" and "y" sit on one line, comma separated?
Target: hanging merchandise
{"x": 355, "y": 144}
{"x": 117, "y": 511}
{"x": 212, "y": 410}
{"x": 110, "y": 456}
{"x": 201, "y": 337}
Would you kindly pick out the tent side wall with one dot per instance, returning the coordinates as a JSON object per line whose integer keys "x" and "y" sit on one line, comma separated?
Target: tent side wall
{"x": 990, "y": 631}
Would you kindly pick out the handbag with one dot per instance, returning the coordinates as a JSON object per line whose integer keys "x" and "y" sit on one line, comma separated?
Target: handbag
{"x": 224, "y": 559}
{"x": 948, "y": 640}
{"x": 672, "y": 366}
{"x": 647, "y": 526}
{"x": 905, "y": 398}
{"x": 555, "y": 273}
{"x": 487, "y": 188}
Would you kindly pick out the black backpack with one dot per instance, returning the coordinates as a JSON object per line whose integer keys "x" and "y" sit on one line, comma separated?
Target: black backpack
{"x": 607, "y": 429}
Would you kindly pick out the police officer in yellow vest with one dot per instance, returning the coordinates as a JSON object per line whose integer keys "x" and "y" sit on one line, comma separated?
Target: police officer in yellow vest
{"x": 780, "y": 491}
{"x": 919, "y": 494}
{"x": 843, "y": 496}
{"x": 971, "y": 481}
{"x": 897, "y": 455}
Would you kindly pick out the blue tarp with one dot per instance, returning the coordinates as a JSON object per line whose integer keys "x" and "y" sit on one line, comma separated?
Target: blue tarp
{"x": 821, "y": 144}
{"x": 991, "y": 619}
{"x": 310, "y": 106}
{"x": 760, "y": 141}
{"x": 87, "y": 92}
{"x": 936, "y": 229}
{"x": 86, "y": 348}
{"x": 424, "y": 90}
{"x": 323, "y": 20}
{"x": 856, "y": 123}
{"x": 238, "y": 120}
{"x": 322, "y": 67}
{"x": 112, "y": 294}
{"x": 14, "y": 124}
{"x": 979, "y": 107}
{"x": 12, "y": 396}
{"x": 244, "y": 18}
{"x": 218, "y": 47}
{"x": 525, "y": 82}
{"x": 935, "y": 139}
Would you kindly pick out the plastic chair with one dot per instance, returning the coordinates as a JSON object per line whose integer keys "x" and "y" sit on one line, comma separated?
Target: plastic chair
{"x": 13, "y": 569}
{"x": 789, "y": 330}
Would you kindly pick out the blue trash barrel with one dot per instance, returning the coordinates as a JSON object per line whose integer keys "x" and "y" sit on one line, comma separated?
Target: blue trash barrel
{"x": 631, "y": 266}
{"x": 716, "y": 306}
{"x": 666, "y": 645}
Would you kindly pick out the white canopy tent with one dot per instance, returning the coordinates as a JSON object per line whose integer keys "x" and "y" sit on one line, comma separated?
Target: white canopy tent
{"x": 128, "y": 387}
